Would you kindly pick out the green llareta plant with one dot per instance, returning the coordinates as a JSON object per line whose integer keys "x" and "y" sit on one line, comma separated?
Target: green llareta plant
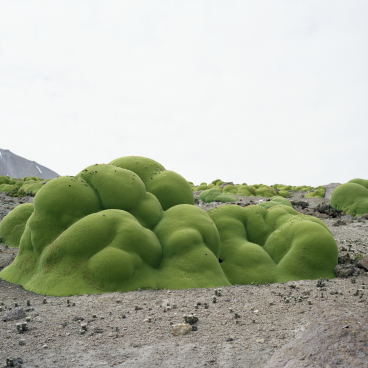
{"x": 351, "y": 198}
{"x": 214, "y": 195}
{"x": 132, "y": 224}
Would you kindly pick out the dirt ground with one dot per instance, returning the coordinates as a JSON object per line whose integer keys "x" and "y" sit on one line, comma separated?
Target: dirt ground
{"x": 309, "y": 323}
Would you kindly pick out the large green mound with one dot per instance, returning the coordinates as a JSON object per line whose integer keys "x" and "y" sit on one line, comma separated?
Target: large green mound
{"x": 13, "y": 225}
{"x": 111, "y": 228}
{"x": 351, "y": 198}
{"x": 274, "y": 245}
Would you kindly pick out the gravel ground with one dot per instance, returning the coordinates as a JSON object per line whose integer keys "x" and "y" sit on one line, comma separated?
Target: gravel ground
{"x": 320, "y": 324}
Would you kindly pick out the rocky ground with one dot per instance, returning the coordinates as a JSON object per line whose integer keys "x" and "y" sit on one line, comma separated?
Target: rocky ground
{"x": 319, "y": 323}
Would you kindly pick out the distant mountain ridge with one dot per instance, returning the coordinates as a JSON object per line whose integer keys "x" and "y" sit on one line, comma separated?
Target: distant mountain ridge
{"x": 19, "y": 167}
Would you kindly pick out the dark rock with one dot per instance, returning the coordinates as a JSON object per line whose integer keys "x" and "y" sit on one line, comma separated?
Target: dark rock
{"x": 363, "y": 263}
{"x": 328, "y": 210}
{"x": 339, "y": 223}
{"x": 227, "y": 183}
{"x": 366, "y": 216}
{"x": 344, "y": 270}
{"x": 301, "y": 204}
{"x": 14, "y": 314}
{"x": 78, "y": 319}
{"x": 344, "y": 259}
{"x": 14, "y": 362}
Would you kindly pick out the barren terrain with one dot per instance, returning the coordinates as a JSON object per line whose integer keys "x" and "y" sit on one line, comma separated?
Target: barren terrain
{"x": 312, "y": 323}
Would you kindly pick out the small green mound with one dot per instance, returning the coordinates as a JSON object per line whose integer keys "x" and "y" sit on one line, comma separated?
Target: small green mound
{"x": 13, "y": 225}
{"x": 275, "y": 201}
{"x": 167, "y": 186}
{"x": 6, "y": 188}
{"x": 284, "y": 193}
{"x": 362, "y": 182}
{"x": 317, "y": 193}
{"x": 274, "y": 245}
{"x": 213, "y": 195}
{"x": 351, "y": 198}
{"x": 265, "y": 191}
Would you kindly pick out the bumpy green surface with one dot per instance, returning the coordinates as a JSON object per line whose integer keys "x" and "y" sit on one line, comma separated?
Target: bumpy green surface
{"x": 284, "y": 193}
{"x": 274, "y": 245}
{"x": 213, "y": 195}
{"x": 6, "y": 188}
{"x": 351, "y": 198}
{"x": 275, "y": 201}
{"x": 317, "y": 193}
{"x": 265, "y": 191}
{"x": 360, "y": 181}
{"x": 20, "y": 187}
{"x": 13, "y": 225}
{"x": 104, "y": 231}
{"x": 169, "y": 187}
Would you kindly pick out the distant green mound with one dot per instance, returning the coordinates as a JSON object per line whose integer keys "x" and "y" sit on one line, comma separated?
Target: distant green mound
{"x": 351, "y": 198}
{"x": 27, "y": 186}
{"x": 213, "y": 195}
{"x": 317, "y": 193}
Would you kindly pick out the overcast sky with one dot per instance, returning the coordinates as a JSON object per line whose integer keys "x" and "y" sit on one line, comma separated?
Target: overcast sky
{"x": 245, "y": 91}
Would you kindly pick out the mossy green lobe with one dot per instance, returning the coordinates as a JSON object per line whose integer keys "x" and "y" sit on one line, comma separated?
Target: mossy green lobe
{"x": 13, "y": 225}
{"x": 214, "y": 195}
{"x": 167, "y": 186}
{"x": 351, "y": 198}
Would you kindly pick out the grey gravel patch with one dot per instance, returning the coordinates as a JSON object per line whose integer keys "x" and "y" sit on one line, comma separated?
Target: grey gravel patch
{"x": 14, "y": 314}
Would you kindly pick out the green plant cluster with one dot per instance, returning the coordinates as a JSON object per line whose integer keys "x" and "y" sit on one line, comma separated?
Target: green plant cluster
{"x": 132, "y": 224}
{"x": 351, "y": 198}
{"x": 257, "y": 190}
{"x": 260, "y": 190}
{"x": 27, "y": 186}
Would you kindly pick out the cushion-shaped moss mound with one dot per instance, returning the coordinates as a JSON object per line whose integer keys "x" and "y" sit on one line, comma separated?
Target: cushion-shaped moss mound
{"x": 317, "y": 193}
{"x": 274, "y": 245}
{"x": 284, "y": 193}
{"x": 13, "y": 225}
{"x": 214, "y": 195}
{"x": 103, "y": 231}
{"x": 265, "y": 191}
{"x": 359, "y": 181}
{"x": 350, "y": 198}
{"x": 167, "y": 186}
{"x": 275, "y": 201}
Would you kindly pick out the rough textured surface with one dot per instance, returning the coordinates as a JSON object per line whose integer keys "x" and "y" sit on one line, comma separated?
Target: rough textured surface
{"x": 102, "y": 232}
{"x": 19, "y": 167}
{"x": 256, "y": 339}
{"x": 351, "y": 198}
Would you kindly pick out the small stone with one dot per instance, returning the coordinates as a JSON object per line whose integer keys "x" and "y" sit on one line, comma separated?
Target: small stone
{"x": 44, "y": 301}
{"x": 45, "y": 346}
{"x": 14, "y": 314}
{"x": 260, "y": 341}
{"x": 344, "y": 270}
{"x": 181, "y": 329}
{"x": 229, "y": 339}
{"x": 363, "y": 263}
{"x": 22, "y": 342}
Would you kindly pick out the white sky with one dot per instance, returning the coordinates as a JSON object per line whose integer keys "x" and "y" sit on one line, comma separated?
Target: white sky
{"x": 245, "y": 91}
